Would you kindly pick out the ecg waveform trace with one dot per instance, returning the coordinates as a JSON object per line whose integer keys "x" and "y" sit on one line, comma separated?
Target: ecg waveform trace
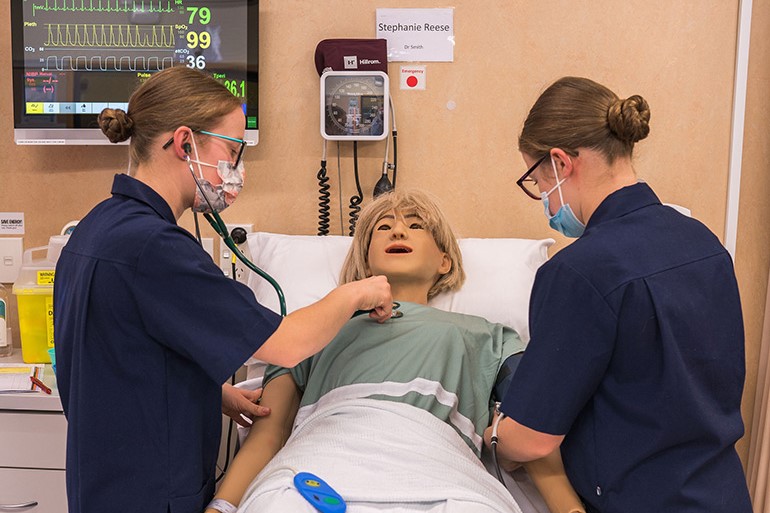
{"x": 108, "y": 63}
{"x": 105, "y": 6}
{"x": 108, "y": 35}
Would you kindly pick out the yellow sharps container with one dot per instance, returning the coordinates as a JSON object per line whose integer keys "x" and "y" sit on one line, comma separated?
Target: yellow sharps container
{"x": 34, "y": 297}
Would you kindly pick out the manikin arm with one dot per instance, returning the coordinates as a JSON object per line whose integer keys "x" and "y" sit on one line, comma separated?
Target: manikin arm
{"x": 551, "y": 481}
{"x": 266, "y": 437}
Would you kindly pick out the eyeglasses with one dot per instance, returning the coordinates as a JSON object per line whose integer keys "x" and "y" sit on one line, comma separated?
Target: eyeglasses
{"x": 220, "y": 136}
{"x": 529, "y": 184}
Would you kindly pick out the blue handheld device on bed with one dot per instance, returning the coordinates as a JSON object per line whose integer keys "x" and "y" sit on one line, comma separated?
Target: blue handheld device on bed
{"x": 318, "y": 493}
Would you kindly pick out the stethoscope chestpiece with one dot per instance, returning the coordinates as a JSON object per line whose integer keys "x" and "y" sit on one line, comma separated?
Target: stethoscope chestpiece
{"x": 394, "y": 314}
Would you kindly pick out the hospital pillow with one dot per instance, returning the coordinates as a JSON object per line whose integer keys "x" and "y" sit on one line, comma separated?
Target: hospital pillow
{"x": 500, "y": 273}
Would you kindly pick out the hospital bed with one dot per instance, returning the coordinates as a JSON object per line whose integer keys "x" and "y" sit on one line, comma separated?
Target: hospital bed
{"x": 500, "y": 274}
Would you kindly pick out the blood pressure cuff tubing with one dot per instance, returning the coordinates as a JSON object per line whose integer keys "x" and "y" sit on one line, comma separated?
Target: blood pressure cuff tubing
{"x": 351, "y": 55}
{"x": 505, "y": 375}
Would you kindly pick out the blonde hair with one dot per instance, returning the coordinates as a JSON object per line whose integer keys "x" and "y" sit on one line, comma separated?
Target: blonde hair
{"x": 174, "y": 97}
{"x": 417, "y": 202}
{"x": 577, "y": 113}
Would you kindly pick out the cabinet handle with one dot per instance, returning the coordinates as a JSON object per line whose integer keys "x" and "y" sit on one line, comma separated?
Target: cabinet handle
{"x": 24, "y": 505}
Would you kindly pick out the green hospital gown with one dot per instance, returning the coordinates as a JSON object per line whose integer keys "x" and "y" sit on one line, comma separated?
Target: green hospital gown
{"x": 444, "y": 363}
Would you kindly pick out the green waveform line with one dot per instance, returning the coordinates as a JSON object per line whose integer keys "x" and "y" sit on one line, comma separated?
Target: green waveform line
{"x": 106, "y": 6}
{"x": 109, "y": 35}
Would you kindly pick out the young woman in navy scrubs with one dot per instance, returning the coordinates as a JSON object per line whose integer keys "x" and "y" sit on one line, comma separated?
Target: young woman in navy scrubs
{"x": 635, "y": 367}
{"x": 147, "y": 326}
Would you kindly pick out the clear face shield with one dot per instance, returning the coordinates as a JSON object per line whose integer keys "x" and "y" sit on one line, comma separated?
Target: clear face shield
{"x": 215, "y": 198}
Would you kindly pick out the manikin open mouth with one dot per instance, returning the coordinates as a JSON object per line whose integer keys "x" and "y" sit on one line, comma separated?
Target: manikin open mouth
{"x": 398, "y": 249}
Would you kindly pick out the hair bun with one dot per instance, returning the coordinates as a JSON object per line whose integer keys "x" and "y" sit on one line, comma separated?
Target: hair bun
{"x": 629, "y": 119}
{"x": 116, "y": 124}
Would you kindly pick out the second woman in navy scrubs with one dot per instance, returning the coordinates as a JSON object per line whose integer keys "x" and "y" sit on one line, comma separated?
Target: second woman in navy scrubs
{"x": 635, "y": 367}
{"x": 147, "y": 327}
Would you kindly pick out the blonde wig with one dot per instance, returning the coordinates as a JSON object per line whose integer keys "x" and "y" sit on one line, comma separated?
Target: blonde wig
{"x": 356, "y": 264}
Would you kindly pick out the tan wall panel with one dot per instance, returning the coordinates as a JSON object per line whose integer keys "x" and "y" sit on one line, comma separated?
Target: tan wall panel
{"x": 753, "y": 243}
{"x": 506, "y": 53}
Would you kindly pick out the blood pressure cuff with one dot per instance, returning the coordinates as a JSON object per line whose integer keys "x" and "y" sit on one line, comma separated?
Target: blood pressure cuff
{"x": 505, "y": 375}
{"x": 351, "y": 55}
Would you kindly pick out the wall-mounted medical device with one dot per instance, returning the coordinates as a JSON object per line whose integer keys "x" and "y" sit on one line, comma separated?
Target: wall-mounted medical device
{"x": 354, "y": 105}
{"x": 71, "y": 59}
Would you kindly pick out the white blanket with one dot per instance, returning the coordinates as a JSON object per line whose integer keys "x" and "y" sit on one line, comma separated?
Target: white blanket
{"x": 379, "y": 456}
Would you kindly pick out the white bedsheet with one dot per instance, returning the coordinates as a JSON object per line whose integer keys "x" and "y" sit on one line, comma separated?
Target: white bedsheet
{"x": 379, "y": 456}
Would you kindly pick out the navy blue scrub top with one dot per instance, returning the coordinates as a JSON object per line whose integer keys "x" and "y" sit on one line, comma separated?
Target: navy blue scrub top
{"x": 147, "y": 329}
{"x": 637, "y": 356}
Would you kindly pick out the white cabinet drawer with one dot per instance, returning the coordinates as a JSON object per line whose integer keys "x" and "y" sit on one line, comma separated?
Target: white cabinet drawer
{"x": 21, "y": 486}
{"x": 32, "y": 440}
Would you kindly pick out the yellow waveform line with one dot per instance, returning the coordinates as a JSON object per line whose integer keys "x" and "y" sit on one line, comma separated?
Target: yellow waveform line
{"x": 105, "y": 35}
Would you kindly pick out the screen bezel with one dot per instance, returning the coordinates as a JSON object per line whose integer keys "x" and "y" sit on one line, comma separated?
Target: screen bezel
{"x": 82, "y": 128}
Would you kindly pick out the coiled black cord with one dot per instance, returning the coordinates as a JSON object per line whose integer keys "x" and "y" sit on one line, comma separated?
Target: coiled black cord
{"x": 355, "y": 200}
{"x": 323, "y": 200}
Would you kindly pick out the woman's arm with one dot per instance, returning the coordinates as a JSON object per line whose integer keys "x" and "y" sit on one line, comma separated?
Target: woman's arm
{"x": 266, "y": 437}
{"x": 306, "y": 331}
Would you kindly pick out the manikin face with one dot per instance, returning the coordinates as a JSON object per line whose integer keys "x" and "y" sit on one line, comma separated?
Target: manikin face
{"x": 403, "y": 249}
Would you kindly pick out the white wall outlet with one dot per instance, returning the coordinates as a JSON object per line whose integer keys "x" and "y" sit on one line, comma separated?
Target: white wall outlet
{"x": 11, "y": 249}
{"x": 208, "y": 245}
{"x": 225, "y": 255}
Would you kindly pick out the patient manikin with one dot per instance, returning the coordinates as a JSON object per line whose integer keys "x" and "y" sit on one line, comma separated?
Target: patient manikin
{"x": 390, "y": 415}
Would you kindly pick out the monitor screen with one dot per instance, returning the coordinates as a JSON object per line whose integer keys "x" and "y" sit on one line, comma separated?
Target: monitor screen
{"x": 73, "y": 58}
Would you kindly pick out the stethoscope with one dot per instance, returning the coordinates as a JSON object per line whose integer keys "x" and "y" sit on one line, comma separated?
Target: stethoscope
{"x": 216, "y": 222}
{"x": 395, "y": 313}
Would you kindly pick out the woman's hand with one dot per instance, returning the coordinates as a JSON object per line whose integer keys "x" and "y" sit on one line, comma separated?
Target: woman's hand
{"x": 238, "y": 403}
{"x": 374, "y": 296}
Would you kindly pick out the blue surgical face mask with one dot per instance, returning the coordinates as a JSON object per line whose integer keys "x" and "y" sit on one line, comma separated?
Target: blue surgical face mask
{"x": 564, "y": 221}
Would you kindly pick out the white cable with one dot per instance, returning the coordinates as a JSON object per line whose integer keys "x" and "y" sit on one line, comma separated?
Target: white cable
{"x": 385, "y": 160}
{"x": 392, "y": 113}
{"x": 339, "y": 187}
{"x": 500, "y": 416}
{"x": 387, "y": 139}
{"x": 493, "y": 442}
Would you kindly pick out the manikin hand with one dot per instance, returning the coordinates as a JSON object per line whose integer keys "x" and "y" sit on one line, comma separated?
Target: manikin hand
{"x": 238, "y": 403}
